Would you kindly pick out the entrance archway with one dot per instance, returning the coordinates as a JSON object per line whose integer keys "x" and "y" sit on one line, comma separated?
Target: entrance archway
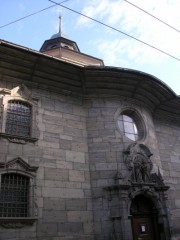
{"x": 144, "y": 219}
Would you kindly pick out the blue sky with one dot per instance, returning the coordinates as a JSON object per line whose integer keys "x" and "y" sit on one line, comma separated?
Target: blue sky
{"x": 94, "y": 39}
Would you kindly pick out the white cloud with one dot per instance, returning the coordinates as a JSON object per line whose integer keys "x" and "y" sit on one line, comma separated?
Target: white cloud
{"x": 94, "y": 8}
{"x": 121, "y": 52}
{"x": 125, "y": 17}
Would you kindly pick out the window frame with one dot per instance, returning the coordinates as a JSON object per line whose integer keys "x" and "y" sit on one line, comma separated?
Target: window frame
{"x": 128, "y": 126}
{"x": 137, "y": 120}
{"x": 16, "y": 113}
{"x": 12, "y": 187}
{"x": 21, "y": 168}
{"x": 4, "y": 100}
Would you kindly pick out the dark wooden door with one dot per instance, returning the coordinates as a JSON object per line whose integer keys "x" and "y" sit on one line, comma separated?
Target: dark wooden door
{"x": 143, "y": 228}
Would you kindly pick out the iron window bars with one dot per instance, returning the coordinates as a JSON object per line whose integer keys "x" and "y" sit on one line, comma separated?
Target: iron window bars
{"x": 16, "y": 195}
{"x": 19, "y": 117}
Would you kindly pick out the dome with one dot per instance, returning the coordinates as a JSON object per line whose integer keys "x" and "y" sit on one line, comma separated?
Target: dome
{"x": 57, "y": 35}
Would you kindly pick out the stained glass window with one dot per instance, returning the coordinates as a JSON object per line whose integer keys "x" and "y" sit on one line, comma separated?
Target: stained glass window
{"x": 14, "y": 197}
{"x": 18, "y": 121}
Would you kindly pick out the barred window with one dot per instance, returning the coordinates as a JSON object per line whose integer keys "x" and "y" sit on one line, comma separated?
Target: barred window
{"x": 18, "y": 120}
{"x": 15, "y": 195}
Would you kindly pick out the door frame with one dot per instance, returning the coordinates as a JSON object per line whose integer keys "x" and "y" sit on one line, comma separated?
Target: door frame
{"x": 145, "y": 206}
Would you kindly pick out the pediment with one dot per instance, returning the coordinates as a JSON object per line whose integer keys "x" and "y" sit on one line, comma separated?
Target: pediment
{"x": 21, "y": 91}
{"x": 18, "y": 164}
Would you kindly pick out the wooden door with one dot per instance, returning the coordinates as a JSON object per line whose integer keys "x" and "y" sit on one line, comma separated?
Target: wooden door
{"x": 143, "y": 228}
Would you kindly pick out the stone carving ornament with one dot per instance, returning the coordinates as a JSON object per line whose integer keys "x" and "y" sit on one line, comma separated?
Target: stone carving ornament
{"x": 137, "y": 159}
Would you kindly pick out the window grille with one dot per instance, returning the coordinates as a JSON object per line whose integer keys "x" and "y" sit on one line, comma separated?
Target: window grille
{"x": 18, "y": 121}
{"x": 15, "y": 195}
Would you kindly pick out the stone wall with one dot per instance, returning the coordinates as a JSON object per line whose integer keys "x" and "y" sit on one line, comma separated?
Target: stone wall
{"x": 168, "y": 132}
{"x": 106, "y": 146}
{"x": 63, "y": 189}
{"x": 78, "y": 154}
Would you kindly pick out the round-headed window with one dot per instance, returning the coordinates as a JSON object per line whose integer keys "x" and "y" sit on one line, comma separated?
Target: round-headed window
{"x": 130, "y": 124}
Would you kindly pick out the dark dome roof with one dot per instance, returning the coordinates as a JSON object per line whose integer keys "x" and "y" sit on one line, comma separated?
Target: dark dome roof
{"x": 56, "y": 35}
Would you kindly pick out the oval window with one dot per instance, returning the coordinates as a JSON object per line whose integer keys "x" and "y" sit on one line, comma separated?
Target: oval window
{"x": 130, "y": 125}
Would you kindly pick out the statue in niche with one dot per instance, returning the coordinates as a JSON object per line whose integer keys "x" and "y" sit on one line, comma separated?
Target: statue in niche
{"x": 139, "y": 163}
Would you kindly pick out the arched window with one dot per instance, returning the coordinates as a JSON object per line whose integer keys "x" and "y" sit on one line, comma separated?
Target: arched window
{"x": 19, "y": 117}
{"x": 14, "y": 197}
{"x": 18, "y": 205}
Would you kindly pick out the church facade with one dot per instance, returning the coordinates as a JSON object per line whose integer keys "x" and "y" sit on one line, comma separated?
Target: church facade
{"x": 86, "y": 151}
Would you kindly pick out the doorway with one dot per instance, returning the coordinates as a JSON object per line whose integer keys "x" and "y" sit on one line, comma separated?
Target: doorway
{"x": 144, "y": 219}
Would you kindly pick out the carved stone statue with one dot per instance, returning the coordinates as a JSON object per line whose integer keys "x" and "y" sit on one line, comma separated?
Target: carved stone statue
{"x": 139, "y": 163}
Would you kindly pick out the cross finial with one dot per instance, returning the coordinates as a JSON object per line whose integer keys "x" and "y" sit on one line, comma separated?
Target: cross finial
{"x": 60, "y": 24}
